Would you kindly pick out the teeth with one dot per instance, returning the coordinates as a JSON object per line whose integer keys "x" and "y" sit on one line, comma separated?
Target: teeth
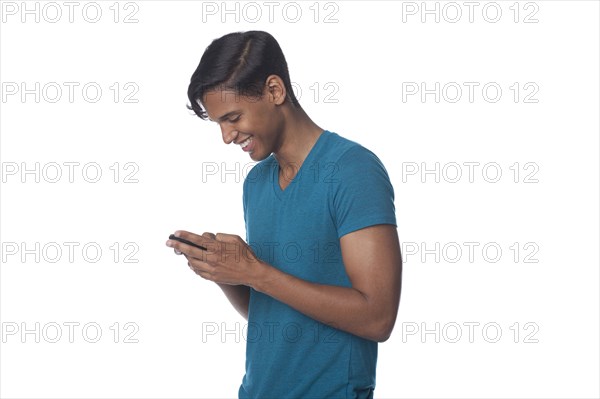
{"x": 245, "y": 143}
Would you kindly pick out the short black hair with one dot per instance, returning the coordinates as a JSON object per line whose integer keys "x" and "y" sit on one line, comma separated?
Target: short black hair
{"x": 239, "y": 61}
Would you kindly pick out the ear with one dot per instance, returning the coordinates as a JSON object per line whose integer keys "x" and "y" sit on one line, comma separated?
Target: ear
{"x": 275, "y": 89}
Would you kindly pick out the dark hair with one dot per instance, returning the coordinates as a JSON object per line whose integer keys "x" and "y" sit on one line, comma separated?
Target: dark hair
{"x": 239, "y": 61}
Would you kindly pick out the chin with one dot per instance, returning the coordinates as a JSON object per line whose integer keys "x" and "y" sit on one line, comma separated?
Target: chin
{"x": 257, "y": 157}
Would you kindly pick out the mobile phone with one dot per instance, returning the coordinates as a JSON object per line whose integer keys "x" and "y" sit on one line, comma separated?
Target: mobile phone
{"x": 183, "y": 240}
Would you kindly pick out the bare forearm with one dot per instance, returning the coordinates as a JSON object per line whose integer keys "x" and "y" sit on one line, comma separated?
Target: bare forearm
{"x": 239, "y": 296}
{"x": 367, "y": 309}
{"x": 344, "y": 308}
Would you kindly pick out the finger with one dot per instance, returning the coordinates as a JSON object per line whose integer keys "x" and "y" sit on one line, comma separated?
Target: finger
{"x": 200, "y": 267}
{"x": 206, "y": 276}
{"x": 188, "y": 257}
{"x": 181, "y": 248}
{"x": 209, "y": 235}
{"x": 228, "y": 237}
{"x": 201, "y": 240}
{"x": 199, "y": 272}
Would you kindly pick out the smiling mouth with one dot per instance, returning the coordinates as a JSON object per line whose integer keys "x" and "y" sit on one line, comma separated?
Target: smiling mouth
{"x": 247, "y": 144}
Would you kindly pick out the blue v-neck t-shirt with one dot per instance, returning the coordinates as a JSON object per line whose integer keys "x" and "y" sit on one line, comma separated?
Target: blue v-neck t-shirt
{"x": 340, "y": 187}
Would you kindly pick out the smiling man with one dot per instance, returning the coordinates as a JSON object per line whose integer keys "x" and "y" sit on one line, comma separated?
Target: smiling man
{"x": 319, "y": 275}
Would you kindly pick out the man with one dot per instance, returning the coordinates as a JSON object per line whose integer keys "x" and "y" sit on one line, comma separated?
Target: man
{"x": 320, "y": 281}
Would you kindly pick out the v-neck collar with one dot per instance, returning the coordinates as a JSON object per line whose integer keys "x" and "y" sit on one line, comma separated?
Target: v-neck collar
{"x": 281, "y": 194}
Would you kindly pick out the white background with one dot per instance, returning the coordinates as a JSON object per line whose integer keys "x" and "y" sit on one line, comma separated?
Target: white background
{"x": 552, "y": 282}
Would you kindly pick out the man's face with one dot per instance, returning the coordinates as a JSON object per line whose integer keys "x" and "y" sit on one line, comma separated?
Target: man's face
{"x": 253, "y": 123}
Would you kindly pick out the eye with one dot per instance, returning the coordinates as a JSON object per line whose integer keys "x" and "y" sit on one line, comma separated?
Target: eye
{"x": 237, "y": 118}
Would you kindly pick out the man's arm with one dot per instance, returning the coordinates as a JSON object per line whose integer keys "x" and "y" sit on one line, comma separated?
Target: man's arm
{"x": 239, "y": 296}
{"x": 368, "y": 309}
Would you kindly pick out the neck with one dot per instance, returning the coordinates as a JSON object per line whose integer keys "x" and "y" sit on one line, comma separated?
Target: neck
{"x": 298, "y": 137}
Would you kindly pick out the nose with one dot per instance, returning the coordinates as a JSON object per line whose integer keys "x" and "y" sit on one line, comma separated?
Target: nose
{"x": 229, "y": 134}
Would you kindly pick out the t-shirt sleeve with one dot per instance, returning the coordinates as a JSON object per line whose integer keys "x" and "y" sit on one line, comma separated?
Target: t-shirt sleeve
{"x": 363, "y": 195}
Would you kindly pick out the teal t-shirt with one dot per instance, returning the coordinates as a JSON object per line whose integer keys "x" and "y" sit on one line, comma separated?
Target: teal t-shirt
{"x": 339, "y": 188}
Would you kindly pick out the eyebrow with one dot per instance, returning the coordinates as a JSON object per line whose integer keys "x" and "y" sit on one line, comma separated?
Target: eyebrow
{"x": 221, "y": 118}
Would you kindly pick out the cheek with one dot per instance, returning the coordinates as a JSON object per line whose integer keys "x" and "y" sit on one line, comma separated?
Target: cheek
{"x": 259, "y": 125}
{"x": 262, "y": 121}
{"x": 266, "y": 116}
